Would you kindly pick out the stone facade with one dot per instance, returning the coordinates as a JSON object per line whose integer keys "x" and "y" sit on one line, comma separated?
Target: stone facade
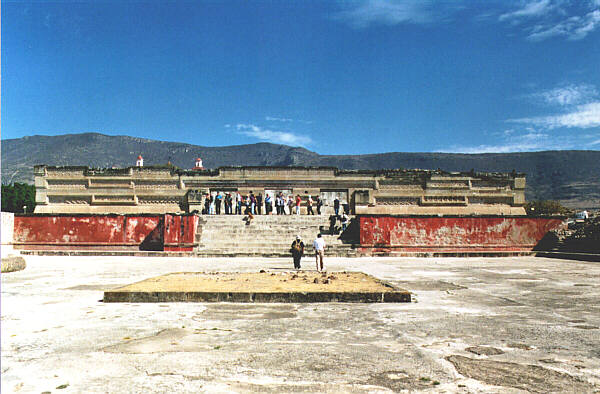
{"x": 137, "y": 190}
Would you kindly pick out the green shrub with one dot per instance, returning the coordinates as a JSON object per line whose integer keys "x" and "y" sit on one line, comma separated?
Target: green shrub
{"x": 17, "y": 196}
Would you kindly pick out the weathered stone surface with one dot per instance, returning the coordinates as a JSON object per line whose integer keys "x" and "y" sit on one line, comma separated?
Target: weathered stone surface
{"x": 259, "y": 287}
{"x": 55, "y": 331}
{"x": 532, "y": 378}
{"x": 484, "y": 350}
{"x": 166, "y": 190}
{"x": 13, "y": 263}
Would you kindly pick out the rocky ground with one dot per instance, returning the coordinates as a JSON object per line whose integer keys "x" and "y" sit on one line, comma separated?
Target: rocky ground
{"x": 476, "y": 325}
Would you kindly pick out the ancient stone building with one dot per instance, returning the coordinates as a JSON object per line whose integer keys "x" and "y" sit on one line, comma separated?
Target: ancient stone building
{"x": 154, "y": 189}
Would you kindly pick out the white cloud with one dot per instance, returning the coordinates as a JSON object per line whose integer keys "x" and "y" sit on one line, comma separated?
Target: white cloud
{"x": 529, "y": 9}
{"x": 532, "y": 141}
{"x": 286, "y": 120}
{"x": 278, "y": 137}
{"x": 582, "y": 116}
{"x": 574, "y": 28}
{"x": 567, "y": 95}
{"x": 276, "y": 119}
{"x": 529, "y": 142}
{"x": 394, "y": 12}
{"x": 539, "y": 19}
{"x": 542, "y": 19}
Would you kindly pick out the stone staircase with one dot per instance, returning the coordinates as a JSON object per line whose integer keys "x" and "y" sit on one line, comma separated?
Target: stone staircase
{"x": 265, "y": 236}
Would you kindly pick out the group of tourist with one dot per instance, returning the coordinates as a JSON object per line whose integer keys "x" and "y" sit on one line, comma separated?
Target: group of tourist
{"x": 237, "y": 204}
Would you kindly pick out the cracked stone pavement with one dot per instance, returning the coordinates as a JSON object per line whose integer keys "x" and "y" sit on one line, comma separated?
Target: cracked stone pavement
{"x": 520, "y": 324}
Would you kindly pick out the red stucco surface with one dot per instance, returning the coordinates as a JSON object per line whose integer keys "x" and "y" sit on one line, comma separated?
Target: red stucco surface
{"x": 114, "y": 232}
{"x": 453, "y": 233}
{"x": 180, "y": 232}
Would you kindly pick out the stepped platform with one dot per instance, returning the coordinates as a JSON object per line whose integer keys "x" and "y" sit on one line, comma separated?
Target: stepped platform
{"x": 299, "y": 286}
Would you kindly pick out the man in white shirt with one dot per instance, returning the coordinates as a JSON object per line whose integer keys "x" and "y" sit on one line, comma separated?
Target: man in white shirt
{"x": 319, "y": 245}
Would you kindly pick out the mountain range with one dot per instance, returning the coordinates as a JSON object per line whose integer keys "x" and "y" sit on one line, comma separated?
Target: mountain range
{"x": 571, "y": 177}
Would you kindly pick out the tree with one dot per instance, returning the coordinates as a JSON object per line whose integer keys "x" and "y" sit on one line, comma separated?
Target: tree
{"x": 17, "y": 196}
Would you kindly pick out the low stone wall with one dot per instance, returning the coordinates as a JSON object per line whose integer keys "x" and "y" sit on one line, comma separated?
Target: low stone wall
{"x": 105, "y": 232}
{"x": 387, "y": 233}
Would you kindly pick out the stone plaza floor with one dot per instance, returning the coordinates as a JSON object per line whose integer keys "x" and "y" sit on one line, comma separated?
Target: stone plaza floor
{"x": 475, "y": 325}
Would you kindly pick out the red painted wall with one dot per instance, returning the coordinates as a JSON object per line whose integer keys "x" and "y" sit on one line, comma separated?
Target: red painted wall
{"x": 180, "y": 232}
{"x": 417, "y": 234}
{"x": 111, "y": 232}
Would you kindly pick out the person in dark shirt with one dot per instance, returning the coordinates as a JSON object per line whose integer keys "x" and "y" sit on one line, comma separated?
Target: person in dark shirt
{"x": 228, "y": 204}
{"x": 259, "y": 201}
{"x": 297, "y": 251}
{"x": 206, "y": 204}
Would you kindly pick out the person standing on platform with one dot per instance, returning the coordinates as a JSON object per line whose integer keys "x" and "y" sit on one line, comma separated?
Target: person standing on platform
{"x": 319, "y": 205}
{"x": 238, "y": 203}
{"x": 336, "y": 206}
{"x": 259, "y": 201}
{"x": 297, "y": 251}
{"x": 298, "y": 202}
{"x": 281, "y": 203}
{"x": 218, "y": 200}
{"x": 252, "y": 203}
{"x": 309, "y": 205}
{"x": 290, "y": 204}
{"x": 319, "y": 245}
{"x": 268, "y": 205}
{"x": 227, "y": 204}
{"x": 206, "y": 210}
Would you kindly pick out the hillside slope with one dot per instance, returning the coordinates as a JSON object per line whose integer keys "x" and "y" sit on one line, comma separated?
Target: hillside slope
{"x": 572, "y": 177}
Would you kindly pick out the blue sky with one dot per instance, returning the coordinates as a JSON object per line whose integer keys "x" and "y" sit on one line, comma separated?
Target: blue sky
{"x": 335, "y": 77}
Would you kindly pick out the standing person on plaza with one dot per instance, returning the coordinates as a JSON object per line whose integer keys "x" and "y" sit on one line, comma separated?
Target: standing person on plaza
{"x": 259, "y": 201}
{"x": 297, "y": 251}
{"x": 309, "y": 205}
{"x": 290, "y": 204}
{"x": 298, "y": 202}
{"x": 319, "y": 205}
{"x": 319, "y": 246}
{"x": 336, "y": 206}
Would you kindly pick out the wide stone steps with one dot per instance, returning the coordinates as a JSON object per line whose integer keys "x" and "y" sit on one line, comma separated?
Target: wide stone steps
{"x": 349, "y": 252}
{"x": 265, "y": 236}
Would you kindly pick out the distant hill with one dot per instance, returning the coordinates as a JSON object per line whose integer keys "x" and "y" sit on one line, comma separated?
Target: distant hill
{"x": 572, "y": 177}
